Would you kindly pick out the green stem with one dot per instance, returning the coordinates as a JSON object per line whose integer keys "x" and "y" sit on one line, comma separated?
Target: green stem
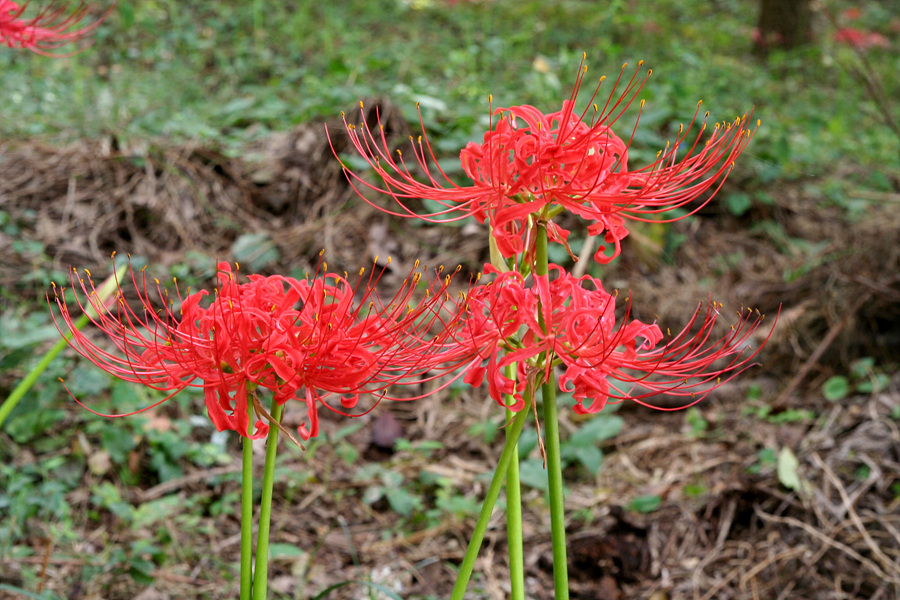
{"x": 515, "y": 546}
{"x": 554, "y": 478}
{"x": 106, "y": 289}
{"x": 247, "y": 511}
{"x": 260, "y": 581}
{"x": 554, "y": 460}
{"x": 468, "y": 563}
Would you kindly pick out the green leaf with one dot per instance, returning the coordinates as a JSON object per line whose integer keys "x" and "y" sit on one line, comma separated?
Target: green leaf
{"x": 645, "y": 504}
{"x": 373, "y": 494}
{"x": 255, "y": 250}
{"x": 874, "y": 384}
{"x": 286, "y": 551}
{"x": 118, "y": 442}
{"x": 374, "y": 586}
{"x": 532, "y": 474}
{"x": 600, "y": 428}
{"x": 25, "y": 593}
{"x": 836, "y": 388}
{"x": 402, "y": 501}
{"x": 590, "y": 457}
{"x": 787, "y": 469}
{"x": 738, "y": 203}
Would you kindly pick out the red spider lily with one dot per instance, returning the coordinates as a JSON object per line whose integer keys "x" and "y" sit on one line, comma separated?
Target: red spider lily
{"x": 863, "y": 40}
{"x": 302, "y": 339}
{"x": 559, "y": 322}
{"x": 532, "y": 165}
{"x": 52, "y": 28}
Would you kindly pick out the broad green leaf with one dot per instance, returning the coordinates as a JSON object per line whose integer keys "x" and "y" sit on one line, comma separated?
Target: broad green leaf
{"x": 836, "y": 388}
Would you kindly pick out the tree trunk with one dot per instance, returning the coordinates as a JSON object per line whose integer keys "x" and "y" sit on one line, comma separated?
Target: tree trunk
{"x": 783, "y": 24}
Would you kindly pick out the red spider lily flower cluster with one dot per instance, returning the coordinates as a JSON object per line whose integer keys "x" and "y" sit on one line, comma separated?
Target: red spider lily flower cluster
{"x": 303, "y": 339}
{"x": 531, "y": 166}
{"x": 53, "y": 27}
{"x": 570, "y": 323}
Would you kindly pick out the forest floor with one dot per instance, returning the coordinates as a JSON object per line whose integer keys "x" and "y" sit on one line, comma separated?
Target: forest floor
{"x": 782, "y": 484}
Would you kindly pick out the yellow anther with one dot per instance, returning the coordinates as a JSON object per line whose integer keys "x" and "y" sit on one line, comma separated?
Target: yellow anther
{"x": 758, "y": 122}
{"x": 416, "y": 264}
{"x": 490, "y": 98}
{"x": 699, "y": 102}
{"x": 399, "y": 152}
{"x": 237, "y": 266}
{"x": 649, "y": 72}
{"x": 640, "y": 63}
{"x": 417, "y": 105}
{"x": 156, "y": 280}
{"x": 113, "y": 255}
{"x": 361, "y": 104}
{"x": 642, "y": 103}
{"x": 389, "y": 260}
{"x": 342, "y": 114}
{"x": 361, "y": 271}
{"x": 88, "y": 272}
{"x": 624, "y": 65}
{"x": 602, "y": 79}
{"x": 322, "y": 251}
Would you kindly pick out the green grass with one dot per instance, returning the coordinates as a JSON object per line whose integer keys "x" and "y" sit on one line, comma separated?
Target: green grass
{"x": 192, "y": 70}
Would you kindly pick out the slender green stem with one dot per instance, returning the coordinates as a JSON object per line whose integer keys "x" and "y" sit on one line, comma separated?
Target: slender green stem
{"x": 260, "y": 581}
{"x": 514, "y": 512}
{"x": 106, "y": 289}
{"x": 554, "y": 461}
{"x": 247, "y": 512}
{"x": 468, "y": 563}
{"x": 554, "y": 478}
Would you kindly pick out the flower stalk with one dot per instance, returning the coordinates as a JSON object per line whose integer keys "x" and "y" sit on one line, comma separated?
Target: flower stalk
{"x": 515, "y": 544}
{"x": 553, "y": 449}
{"x": 487, "y": 507}
{"x": 247, "y": 511}
{"x": 260, "y": 580}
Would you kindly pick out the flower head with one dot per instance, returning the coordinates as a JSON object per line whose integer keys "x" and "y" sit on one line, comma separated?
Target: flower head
{"x": 52, "y": 28}
{"x": 530, "y": 166}
{"x": 570, "y": 323}
{"x": 304, "y": 340}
